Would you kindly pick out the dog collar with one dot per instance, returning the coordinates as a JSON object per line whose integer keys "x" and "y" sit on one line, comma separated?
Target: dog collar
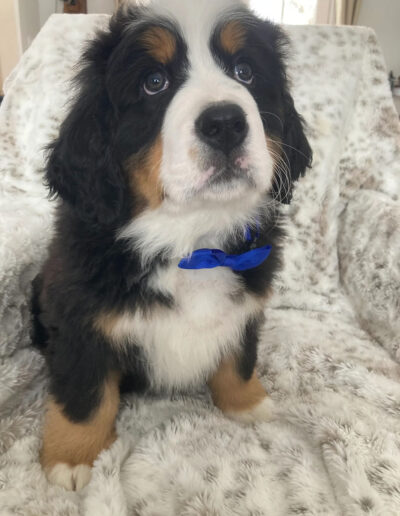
{"x": 211, "y": 258}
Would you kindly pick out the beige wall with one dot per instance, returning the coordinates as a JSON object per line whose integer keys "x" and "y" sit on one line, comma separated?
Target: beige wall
{"x": 384, "y": 17}
{"x": 29, "y": 21}
{"x": 10, "y": 46}
{"x": 48, "y": 7}
{"x": 101, "y": 6}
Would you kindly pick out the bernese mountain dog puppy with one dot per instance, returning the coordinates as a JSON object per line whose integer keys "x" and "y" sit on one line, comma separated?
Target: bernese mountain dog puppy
{"x": 180, "y": 146}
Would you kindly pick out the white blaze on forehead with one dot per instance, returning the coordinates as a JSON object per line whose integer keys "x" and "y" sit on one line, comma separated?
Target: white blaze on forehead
{"x": 196, "y": 21}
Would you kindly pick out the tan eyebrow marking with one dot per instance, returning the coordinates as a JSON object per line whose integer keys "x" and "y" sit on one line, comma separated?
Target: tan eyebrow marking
{"x": 233, "y": 36}
{"x": 160, "y": 43}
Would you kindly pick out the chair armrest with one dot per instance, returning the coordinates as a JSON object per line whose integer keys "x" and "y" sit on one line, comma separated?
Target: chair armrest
{"x": 369, "y": 261}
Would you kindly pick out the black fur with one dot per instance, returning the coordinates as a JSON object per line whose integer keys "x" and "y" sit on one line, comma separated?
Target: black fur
{"x": 89, "y": 271}
{"x": 246, "y": 361}
{"x": 39, "y": 333}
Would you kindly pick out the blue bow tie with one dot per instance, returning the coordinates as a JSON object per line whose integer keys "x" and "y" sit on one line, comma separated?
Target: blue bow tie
{"x": 211, "y": 258}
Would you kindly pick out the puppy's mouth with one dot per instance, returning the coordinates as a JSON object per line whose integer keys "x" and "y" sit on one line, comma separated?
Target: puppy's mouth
{"x": 226, "y": 172}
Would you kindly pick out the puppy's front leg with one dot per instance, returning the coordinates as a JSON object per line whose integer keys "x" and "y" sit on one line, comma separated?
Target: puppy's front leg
{"x": 70, "y": 448}
{"x": 244, "y": 399}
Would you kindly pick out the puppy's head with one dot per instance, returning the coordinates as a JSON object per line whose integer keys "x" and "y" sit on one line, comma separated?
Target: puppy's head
{"x": 179, "y": 103}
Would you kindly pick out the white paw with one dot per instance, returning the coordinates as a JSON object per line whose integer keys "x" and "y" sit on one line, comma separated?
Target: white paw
{"x": 72, "y": 478}
{"x": 263, "y": 411}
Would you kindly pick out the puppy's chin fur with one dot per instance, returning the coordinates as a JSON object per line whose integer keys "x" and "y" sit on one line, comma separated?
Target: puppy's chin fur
{"x": 141, "y": 186}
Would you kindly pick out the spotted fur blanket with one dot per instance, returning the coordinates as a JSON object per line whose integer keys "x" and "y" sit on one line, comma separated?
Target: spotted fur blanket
{"x": 330, "y": 349}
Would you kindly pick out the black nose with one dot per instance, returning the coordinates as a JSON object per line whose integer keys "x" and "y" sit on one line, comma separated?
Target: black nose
{"x": 222, "y": 126}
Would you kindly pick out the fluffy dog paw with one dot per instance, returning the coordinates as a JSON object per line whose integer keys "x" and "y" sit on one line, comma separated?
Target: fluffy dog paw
{"x": 262, "y": 412}
{"x": 72, "y": 478}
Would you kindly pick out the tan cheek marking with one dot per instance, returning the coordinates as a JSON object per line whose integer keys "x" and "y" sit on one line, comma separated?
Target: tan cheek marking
{"x": 233, "y": 37}
{"x": 144, "y": 171}
{"x": 274, "y": 148}
{"x": 160, "y": 44}
{"x": 80, "y": 443}
{"x": 231, "y": 393}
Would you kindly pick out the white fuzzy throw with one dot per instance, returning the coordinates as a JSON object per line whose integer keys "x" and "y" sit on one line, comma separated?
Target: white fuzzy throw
{"x": 330, "y": 350}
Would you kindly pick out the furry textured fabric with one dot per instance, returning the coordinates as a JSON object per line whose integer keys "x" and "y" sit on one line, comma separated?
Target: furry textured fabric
{"x": 330, "y": 350}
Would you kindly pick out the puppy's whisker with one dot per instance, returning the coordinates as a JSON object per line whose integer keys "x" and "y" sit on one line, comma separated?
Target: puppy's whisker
{"x": 278, "y": 142}
{"x": 284, "y": 191}
{"x": 274, "y": 115}
{"x": 282, "y": 174}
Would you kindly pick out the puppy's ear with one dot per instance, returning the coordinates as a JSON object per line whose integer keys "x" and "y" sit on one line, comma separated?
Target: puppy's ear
{"x": 296, "y": 152}
{"x": 82, "y": 168}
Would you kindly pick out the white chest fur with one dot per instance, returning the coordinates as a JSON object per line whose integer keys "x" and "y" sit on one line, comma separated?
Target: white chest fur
{"x": 184, "y": 344}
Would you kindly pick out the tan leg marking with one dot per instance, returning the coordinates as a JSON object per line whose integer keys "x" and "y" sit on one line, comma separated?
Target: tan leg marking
{"x": 160, "y": 43}
{"x": 231, "y": 393}
{"x": 80, "y": 443}
{"x": 233, "y": 37}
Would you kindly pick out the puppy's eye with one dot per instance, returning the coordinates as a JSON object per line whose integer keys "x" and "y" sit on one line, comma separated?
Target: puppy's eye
{"x": 155, "y": 82}
{"x": 244, "y": 73}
